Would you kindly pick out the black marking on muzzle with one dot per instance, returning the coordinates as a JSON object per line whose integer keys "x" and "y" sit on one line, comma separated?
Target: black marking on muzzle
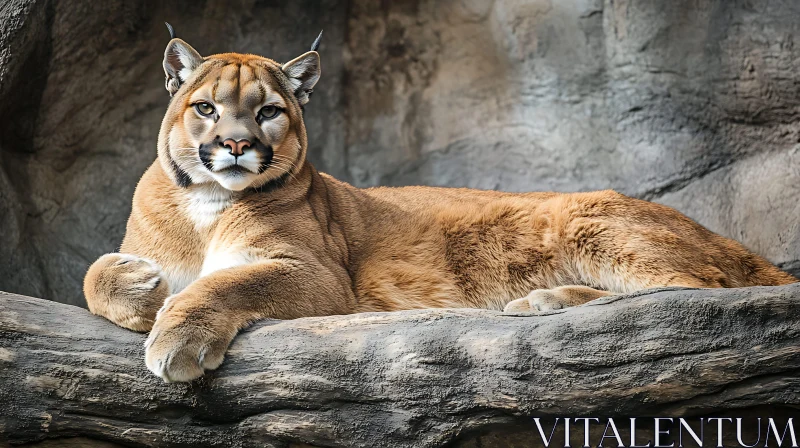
{"x": 266, "y": 154}
{"x": 206, "y": 151}
{"x": 181, "y": 176}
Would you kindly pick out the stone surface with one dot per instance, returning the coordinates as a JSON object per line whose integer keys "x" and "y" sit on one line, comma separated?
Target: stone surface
{"x": 425, "y": 378}
{"x": 692, "y": 103}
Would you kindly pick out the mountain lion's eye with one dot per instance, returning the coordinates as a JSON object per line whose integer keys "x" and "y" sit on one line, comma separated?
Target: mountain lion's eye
{"x": 269, "y": 112}
{"x": 204, "y": 109}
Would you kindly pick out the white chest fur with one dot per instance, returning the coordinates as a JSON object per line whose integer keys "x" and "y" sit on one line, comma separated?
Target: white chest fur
{"x": 205, "y": 203}
{"x": 179, "y": 278}
{"x": 223, "y": 259}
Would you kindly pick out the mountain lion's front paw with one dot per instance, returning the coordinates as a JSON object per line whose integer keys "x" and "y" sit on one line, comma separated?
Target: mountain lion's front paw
{"x": 125, "y": 289}
{"x": 186, "y": 342}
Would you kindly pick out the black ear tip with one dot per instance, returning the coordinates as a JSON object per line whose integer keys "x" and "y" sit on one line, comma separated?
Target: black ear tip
{"x": 171, "y": 31}
{"x": 315, "y": 45}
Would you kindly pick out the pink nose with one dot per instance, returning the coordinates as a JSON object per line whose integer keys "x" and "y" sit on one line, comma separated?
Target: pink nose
{"x": 236, "y": 148}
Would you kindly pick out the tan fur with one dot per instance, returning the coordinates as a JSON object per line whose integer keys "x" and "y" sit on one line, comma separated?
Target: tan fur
{"x": 309, "y": 245}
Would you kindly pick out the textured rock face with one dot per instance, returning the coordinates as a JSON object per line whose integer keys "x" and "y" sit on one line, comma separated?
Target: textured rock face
{"x": 694, "y": 104}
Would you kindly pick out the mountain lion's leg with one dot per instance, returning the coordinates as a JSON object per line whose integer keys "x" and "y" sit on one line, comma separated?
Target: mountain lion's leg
{"x": 614, "y": 271}
{"x": 126, "y": 290}
{"x": 615, "y": 243}
{"x": 574, "y": 295}
{"x": 194, "y": 327}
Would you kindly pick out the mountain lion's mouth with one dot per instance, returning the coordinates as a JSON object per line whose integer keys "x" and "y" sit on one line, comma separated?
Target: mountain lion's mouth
{"x": 234, "y": 170}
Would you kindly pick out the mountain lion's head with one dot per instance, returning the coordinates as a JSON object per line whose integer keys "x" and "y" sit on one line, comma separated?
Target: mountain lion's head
{"x": 234, "y": 119}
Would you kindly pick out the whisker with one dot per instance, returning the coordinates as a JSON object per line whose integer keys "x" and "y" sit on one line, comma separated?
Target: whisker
{"x": 285, "y": 165}
{"x": 292, "y": 166}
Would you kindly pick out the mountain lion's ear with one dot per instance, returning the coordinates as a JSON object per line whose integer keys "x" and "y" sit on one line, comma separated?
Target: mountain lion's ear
{"x": 303, "y": 72}
{"x": 180, "y": 60}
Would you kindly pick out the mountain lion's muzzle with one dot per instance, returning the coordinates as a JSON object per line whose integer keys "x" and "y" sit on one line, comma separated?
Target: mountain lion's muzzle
{"x": 236, "y": 155}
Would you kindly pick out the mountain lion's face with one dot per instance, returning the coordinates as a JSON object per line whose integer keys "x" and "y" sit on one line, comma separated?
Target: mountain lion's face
{"x": 235, "y": 119}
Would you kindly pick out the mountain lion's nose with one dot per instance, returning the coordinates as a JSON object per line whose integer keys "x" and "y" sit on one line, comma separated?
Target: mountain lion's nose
{"x": 236, "y": 148}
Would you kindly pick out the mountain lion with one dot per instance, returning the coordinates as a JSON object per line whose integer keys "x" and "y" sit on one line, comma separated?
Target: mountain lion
{"x": 231, "y": 224}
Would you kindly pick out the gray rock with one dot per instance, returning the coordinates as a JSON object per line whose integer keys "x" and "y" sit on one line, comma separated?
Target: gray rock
{"x": 424, "y": 378}
{"x": 694, "y": 104}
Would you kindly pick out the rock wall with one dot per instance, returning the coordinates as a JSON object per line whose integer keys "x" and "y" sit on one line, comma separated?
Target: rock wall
{"x": 692, "y": 103}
